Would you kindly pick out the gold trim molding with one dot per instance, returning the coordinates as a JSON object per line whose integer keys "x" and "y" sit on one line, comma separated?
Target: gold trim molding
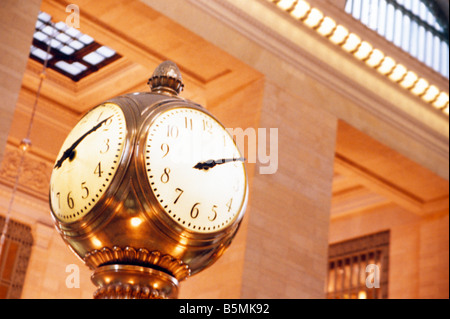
{"x": 137, "y": 256}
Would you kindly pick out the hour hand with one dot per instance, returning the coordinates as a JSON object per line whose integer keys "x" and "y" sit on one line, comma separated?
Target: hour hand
{"x": 211, "y": 163}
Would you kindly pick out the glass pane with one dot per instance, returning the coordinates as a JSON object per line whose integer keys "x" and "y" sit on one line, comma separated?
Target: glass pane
{"x": 390, "y": 17}
{"x": 63, "y": 37}
{"x": 41, "y": 54}
{"x": 44, "y": 17}
{"x": 93, "y": 58}
{"x": 40, "y": 36}
{"x": 347, "y": 273}
{"x": 49, "y": 30}
{"x": 67, "y": 50}
{"x": 331, "y": 278}
{"x": 106, "y": 52}
{"x": 55, "y": 43}
{"x": 77, "y": 45}
{"x": 69, "y": 68}
{"x": 80, "y": 66}
{"x": 86, "y": 39}
{"x": 355, "y": 272}
{"x": 72, "y": 32}
{"x": 61, "y": 26}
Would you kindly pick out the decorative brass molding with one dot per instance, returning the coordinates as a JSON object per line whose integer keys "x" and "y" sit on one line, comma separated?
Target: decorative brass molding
{"x": 140, "y": 256}
{"x": 127, "y": 291}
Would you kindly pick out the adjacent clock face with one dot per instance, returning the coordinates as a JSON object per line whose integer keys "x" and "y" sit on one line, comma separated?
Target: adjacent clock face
{"x": 87, "y": 162}
{"x": 195, "y": 170}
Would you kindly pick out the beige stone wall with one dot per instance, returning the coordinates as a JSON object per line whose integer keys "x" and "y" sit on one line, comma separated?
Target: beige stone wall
{"x": 17, "y": 19}
{"x": 419, "y": 246}
{"x": 287, "y": 246}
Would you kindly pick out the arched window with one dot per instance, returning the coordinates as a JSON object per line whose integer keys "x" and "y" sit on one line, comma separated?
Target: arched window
{"x": 419, "y": 27}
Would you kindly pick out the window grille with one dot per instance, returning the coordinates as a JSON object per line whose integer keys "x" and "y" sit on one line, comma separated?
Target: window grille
{"x": 419, "y": 27}
{"x": 72, "y": 53}
{"x": 357, "y": 267}
{"x": 14, "y": 259}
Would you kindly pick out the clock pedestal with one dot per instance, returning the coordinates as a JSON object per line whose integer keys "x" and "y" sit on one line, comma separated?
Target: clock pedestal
{"x": 135, "y": 273}
{"x": 133, "y": 282}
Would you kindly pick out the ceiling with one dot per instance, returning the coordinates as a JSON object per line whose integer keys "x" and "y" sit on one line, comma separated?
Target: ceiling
{"x": 367, "y": 173}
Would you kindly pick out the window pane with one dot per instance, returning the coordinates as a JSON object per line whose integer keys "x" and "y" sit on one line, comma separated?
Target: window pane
{"x": 69, "y": 68}
{"x": 93, "y": 58}
{"x": 106, "y": 52}
{"x": 41, "y": 54}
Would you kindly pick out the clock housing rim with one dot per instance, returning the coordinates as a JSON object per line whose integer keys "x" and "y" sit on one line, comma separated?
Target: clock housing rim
{"x": 88, "y": 222}
{"x": 153, "y": 208}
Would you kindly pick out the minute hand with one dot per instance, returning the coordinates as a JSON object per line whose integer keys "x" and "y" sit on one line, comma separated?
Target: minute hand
{"x": 211, "y": 163}
{"x": 68, "y": 152}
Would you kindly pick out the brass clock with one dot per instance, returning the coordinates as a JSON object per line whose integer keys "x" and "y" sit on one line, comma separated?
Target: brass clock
{"x": 87, "y": 162}
{"x": 148, "y": 189}
{"x": 195, "y": 170}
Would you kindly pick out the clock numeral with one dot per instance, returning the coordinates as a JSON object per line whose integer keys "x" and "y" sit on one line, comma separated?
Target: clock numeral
{"x": 83, "y": 187}
{"x": 98, "y": 169}
{"x": 207, "y": 126}
{"x": 165, "y": 149}
{"x": 229, "y": 204}
{"x": 165, "y": 175}
{"x": 58, "y": 195}
{"x": 172, "y": 131}
{"x": 106, "y": 147}
{"x": 188, "y": 123}
{"x": 215, "y": 214}
{"x": 195, "y": 211}
{"x": 70, "y": 201}
{"x": 181, "y": 192}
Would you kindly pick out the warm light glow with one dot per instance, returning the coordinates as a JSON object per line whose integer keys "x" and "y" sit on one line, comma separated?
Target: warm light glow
{"x": 431, "y": 93}
{"x": 301, "y": 9}
{"x": 285, "y": 4}
{"x": 387, "y": 65}
{"x": 362, "y": 295}
{"x": 314, "y": 18}
{"x": 327, "y": 26}
{"x": 398, "y": 73}
{"x": 135, "y": 221}
{"x": 420, "y": 87}
{"x": 363, "y": 51}
{"x": 409, "y": 80}
{"x": 25, "y": 144}
{"x": 352, "y": 42}
{"x": 441, "y": 100}
{"x": 96, "y": 242}
{"x": 375, "y": 58}
{"x": 339, "y": 35}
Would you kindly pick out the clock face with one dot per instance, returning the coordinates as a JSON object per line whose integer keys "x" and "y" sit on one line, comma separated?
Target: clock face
{"x": 87, "y": 162}
{"x": 195, "y": 170}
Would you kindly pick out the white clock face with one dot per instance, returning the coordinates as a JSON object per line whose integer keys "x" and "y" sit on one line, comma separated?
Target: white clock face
{"x": 87, "y": 162}
{"x": 195, "y": 170}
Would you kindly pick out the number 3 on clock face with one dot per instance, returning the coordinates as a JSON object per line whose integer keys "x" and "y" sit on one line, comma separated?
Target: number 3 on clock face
{"x": 195, "y": 170}
{"x": 87, "y": 162}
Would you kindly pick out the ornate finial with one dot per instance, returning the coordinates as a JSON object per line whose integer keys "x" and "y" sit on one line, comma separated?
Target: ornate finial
{"x": 166, "y": 78}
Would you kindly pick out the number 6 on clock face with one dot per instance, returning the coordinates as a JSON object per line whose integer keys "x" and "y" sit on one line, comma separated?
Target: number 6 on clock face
{"x": 195, "y": 170}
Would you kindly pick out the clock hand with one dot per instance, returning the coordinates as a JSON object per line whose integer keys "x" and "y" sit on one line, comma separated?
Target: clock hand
{"x": 69, "y": 153}
{"x": 211, "y": 163}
